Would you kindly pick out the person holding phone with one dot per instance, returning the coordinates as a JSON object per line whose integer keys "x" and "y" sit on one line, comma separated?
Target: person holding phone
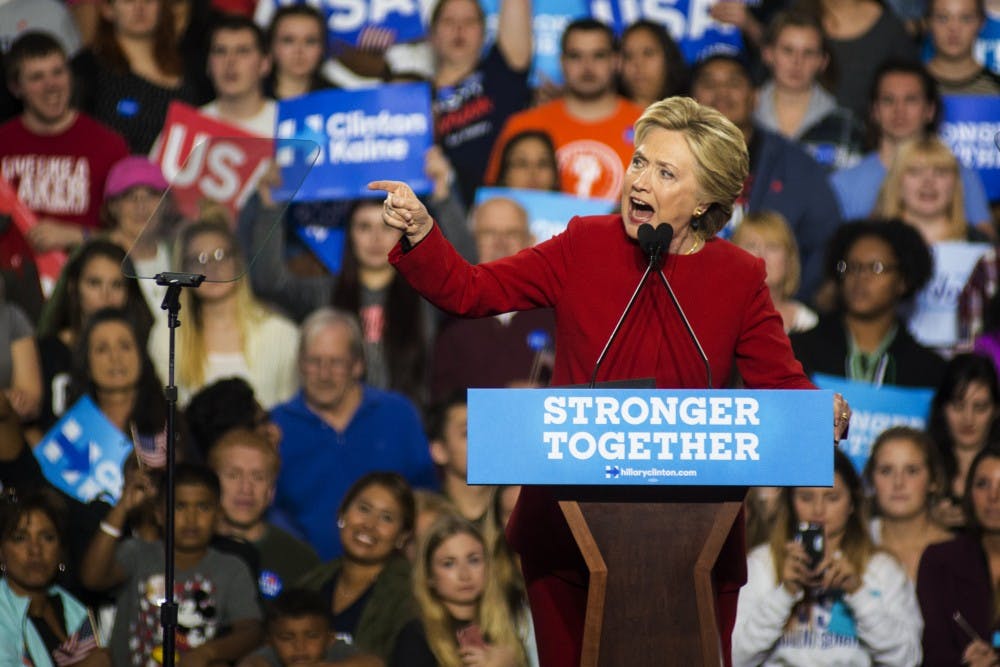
{"x": 956, "y": 580}
{"x": 855, "y": 606}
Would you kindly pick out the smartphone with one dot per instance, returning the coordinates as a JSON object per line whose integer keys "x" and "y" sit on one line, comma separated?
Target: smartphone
{"x": 810, "y": 536}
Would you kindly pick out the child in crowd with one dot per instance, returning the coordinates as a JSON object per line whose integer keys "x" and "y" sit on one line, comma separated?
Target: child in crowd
{"x": 218, "y": 619}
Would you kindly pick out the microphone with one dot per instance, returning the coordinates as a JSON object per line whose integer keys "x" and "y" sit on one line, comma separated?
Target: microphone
{"x": 653, "y": 242}
{"x": 687, "y": 324}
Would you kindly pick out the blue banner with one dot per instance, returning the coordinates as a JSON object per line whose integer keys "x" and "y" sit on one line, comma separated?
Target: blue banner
{"x": 650, "y": 436}
{"x": 359, "y": 22}
{"x": 549, "y": 19}
{"x": 548, "y": 212}
{"x": 83, "y": 453}
{"x": 327, "y": 243}
{"x": 970, "y": 125}
{"x": 363, "y": 135}
{"x": 687, "y": 21}
{"x": 874, "y": 409}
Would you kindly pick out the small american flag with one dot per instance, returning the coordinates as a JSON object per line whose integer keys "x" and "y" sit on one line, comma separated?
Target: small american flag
{"x": 78, "y": 646}
{"x": 150, "y": 449}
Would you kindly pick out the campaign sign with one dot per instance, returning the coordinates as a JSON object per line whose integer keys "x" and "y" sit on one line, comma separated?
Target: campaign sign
{"x": 874, "y": 409}
{"x": 327, "y": 243}
{"x": 688, "y": 22}
{"x": 204, "y": 158}
{"x": 970, "y": 126}
{"x": 49, "y": 264}
{"x": 355, "y": 22}
{"x": 379, "y": 133}
{"x": 934, "y": 320}
{"x": 83, "y": 453}
{"x": 650, "y": 436}
{"x": 549, "y": 20}
{"x": 548, "y": 212}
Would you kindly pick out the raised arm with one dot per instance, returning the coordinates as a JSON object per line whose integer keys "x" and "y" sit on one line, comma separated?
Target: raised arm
{"x": 100, "y": 570}
{"x": 515, "y": 32}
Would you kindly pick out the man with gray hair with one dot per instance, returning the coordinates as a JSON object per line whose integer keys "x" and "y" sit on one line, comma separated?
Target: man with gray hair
{"x": 337, "y": 428}
{"x": 512, "y": 349}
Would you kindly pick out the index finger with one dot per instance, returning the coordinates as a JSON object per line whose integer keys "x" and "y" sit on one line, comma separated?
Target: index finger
{"x": 387, "y": 186}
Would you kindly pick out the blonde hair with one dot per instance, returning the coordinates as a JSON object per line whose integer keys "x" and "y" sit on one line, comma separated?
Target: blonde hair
{"x": 191, "y": 338}
{"x": 719, "y": 150}
{"x": 492, "y": 613}
{"x": 935, "y": 153}
{"x": 773, "y": 227}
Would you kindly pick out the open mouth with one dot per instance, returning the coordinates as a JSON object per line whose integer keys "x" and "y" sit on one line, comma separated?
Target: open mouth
{"x": 639, "y": 210}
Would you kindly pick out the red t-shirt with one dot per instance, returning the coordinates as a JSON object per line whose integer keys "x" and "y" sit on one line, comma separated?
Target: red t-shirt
{"x": 61, "y": 175}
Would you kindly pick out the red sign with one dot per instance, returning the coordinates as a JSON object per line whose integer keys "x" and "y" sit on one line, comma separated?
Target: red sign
{"x": 208, "y": 161}
{"x": 50, "y": 263}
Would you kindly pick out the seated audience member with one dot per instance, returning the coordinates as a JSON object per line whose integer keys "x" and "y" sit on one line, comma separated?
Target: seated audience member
{"x": 876, "y": 265}
{"x": 247, "y": 466}
{"x": 298, "y": 633}
{"x": 795, "y": 103}
{"x": 367, "y": 589}
{"x": 141, "y": 221}
{"x": 520, "y": 343}
{"x": 41, "y": 623}
{"x": 237, "y": 66}
{"x": 430, "y": 506}
{"x": 905, "y": 472}
{"x": 767, "y": 235}
{"x": 477, "y": 89}
{"x": 464, "y": 615}
{"x": 783, "y": 178}
{"x": 20, "y": 367}
{"x": 91, "y": 281}
{"x": 904, "y": 105}
{"x": 296, "y": 42}
{"x": 227, "y": 332}
{"x": 447, "y": 433}
{"x": 847, "y": 604}
{"x": 652, "y": 67}
{"x": 220, "y": 619}
{"x": 590, "y": 124}
{"x": 959, "y": 577}
{"x": 134, "y": 70}
{"x": 224, "y": 405}
{"x": 923, "y": 189}
{"x": 338, "y": 428}
{"x": 953, "y": 26}
{"x": 528, "y": 162}
{"x": 963, "y": 420}
{"x": 54, "y": 157}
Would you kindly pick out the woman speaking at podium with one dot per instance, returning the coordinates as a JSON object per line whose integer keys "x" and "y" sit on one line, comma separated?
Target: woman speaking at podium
{"x": 689, "y": 166}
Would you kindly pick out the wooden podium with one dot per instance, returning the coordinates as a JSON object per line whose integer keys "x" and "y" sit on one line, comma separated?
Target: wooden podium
{"x": 648, "y": 485}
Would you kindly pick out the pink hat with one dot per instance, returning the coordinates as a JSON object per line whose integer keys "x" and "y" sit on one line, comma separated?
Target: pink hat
{"x": 132, "y": 171}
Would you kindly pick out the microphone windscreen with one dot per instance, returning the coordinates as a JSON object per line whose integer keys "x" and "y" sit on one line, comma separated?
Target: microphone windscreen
{"x": 647, "y": 238}
{"x": 665, "y": 234}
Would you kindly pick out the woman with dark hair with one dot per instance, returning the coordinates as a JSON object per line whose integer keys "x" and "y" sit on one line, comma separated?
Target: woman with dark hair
{"x": 652, "y": 67}
{"x": 296, "y": 40}
{"x": 876, "y": 265}
{"x": 843, "y": 603}
{"x": 368, "y": 588}
{"x": 93, "y": 279}
{"x": 528, "y": 162}
{"x": 963, "y": 420}
{"x": 134, "y": 70}
{"x": 956, "y": 582}
{"x": 41, "y": 623}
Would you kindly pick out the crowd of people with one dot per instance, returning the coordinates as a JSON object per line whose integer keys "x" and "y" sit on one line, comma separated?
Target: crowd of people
{"x": 322, "y": 510}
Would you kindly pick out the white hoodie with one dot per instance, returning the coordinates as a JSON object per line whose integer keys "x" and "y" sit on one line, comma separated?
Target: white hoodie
{"x": 879, "y": 624}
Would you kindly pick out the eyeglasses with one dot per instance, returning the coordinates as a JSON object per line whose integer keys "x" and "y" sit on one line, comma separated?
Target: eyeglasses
{"x": 875, "y": 268}
{"x": 202, "y": 259}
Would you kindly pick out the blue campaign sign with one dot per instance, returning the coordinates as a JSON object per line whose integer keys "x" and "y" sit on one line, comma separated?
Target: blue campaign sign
{"x": 650, "y": 436}
{"x": 687, "y": 21}
{"x": 874, "y": 409}
{"x": 363, "y": 135}
{"x": 327, "y": 243}
{"x": 548, "y": 212}
{"x": 970, "y": 126}
{"x": 83, "y": 453}
{"x": 352, "y": 21}
{"x": 549, "y": 19}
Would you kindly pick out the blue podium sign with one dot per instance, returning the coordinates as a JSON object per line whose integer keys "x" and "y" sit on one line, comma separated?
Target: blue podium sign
{"x": 620, "y": 437}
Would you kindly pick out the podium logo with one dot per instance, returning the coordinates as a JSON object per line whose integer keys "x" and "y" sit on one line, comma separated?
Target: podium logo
{"x": 612, "y": 472}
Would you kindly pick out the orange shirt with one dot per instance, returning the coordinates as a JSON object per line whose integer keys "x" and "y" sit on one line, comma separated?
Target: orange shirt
{"x": 592, "y": 154}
